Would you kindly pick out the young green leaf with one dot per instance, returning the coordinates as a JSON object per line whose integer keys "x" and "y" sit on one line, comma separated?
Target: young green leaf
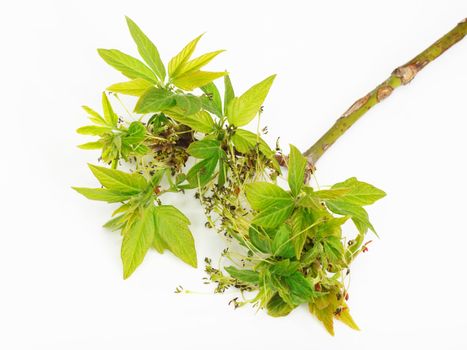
{"x": 193, "y": 80}
{"x": 137, "y": 240}
{"x": 241, "y": 110}
{"x": 200, "y": 121}
{"x": 284, "y": 267}
{"x": 212, "y": 101}
{"x": 155, "y": 100}
{"x": 358, "y": 214}
{"x": 172, "y": 227}
{"x": 260, "y": 239}
{"x": 109, "y": 115}
{"x": 262, "y": 195}
{"x": 147, "y": 49}
{"x": 201, "y": 173}
{"x": 277, "y": 307}
{"x": 197, "y": 63}
{"x": 325, "y": 315}
{"x": 177, "y": 62}
{"x": 301, "y": 223}
{"x": 300, "y": 288}
{"x": 94, "y": 116}
{"x": 333, "y": 249}
{"x": 359, "y": 193}
{"x": 102, "y": 194}
{"x": 93, "y": 130}
{"x": 345, "y": 317}
{"x": 229, "y": 93}
{"x": 92, "y": 145}
{"x": 190, "y": 104}
{"x": 281, "y": 244}
{"x": 297, "y": 165}
{"x": 245, "y": 141}
{"x": 205, "y": 149}
{"x": 119, "y": 181}
{"x": 135, "y": 87}
{"x": 127, "y": 65}
{"x": 247, "y": 276}
{"x": 274, "y": 215}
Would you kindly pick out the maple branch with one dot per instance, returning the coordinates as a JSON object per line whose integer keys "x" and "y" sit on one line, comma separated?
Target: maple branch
{"x": 400, "y": 76}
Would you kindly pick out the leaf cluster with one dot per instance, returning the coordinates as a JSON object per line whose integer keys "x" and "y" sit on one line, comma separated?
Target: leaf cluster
{"x": 184, "y": 135}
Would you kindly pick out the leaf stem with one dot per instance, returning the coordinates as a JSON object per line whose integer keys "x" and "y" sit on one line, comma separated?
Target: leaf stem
{"x": 400, "y": 76}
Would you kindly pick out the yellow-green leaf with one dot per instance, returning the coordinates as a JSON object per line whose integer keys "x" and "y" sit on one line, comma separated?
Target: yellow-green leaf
{"x": 135, "y": 87}
{"x": 94, "y": 116}
{"x": 109, "y": 116}
{"x": 172, "y": 227}
{"x": 127, "y": 65}
{"x": 198, "y": 62}
{"x": 345, "y": 317}
{"x": 196, "y": 79}
{"x": 182, "y": 57}
{"x": 297, "y": 165}
{"x": 102, "y": 194}
{"x": 147, "y": 49}
{"x": 241, "y": 110}
{"x": 137, "y": 240}
{"x": 119, "y": 181}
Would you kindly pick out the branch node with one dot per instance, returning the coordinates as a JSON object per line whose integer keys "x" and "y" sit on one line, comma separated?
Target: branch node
{"x": 383, "y": 92}
{"x": 406, "y": 73}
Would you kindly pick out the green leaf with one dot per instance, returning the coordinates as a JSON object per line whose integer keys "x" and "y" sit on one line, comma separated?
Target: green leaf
{"x": 284, "y": 267}
{"x": 260, "y": 239}
{"x": 127, "y": 65}
{"x": 229, "y": 93}
{"x": 193, "y": 80}
{"x": 359, "y": 193}
{"x": 301, "y": 290}
{"x": 177, "y": 62}
{"x": 102, "y": 194}
{"x": 262, "y": 195}
{"x": 94, "y": 116}
{"x": 241, "y": 110}
{"x": 330, "y": 194}
{"x": 93, "y": 130}
{"x": 246, "y": 141}
{"x": 135, "y": 87}
{"x": 247, "y": 276}
{"x": 301, "y": 222}
{"x": 326, "y": 316}
{"x": 155, "y": 100}
{"x": 172, "y": 227}
{"x": 358, "y": 214}
{"x": 200, "y": 121}
{"x": 281, "y": 244}
{"x": 297, "y": 165}
{"x": 147, "y": 49}
{"x": 137, "y": 240}
{"x": 91, "y": 145}
{"x": 116, "y": 223}
{"x": 109, "y": 116}
{"x": 190, "y": 104}
{"x": 119, "y": 181}
{"x": 345, "y": 317}
{"x": 274, "y": 215}
{"x": 201, "y": 173}
{"x": 197, "y": 63}
{"x": 212, "y": 101}
{"x": 136, "y": 133}
{"x": 333, "y": 249}
{"x": 205, "y": 149}
{"x": 277, "y": 307}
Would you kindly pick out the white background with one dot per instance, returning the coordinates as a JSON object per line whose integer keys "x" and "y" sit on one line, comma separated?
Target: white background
{"x": 61, "y": 283}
